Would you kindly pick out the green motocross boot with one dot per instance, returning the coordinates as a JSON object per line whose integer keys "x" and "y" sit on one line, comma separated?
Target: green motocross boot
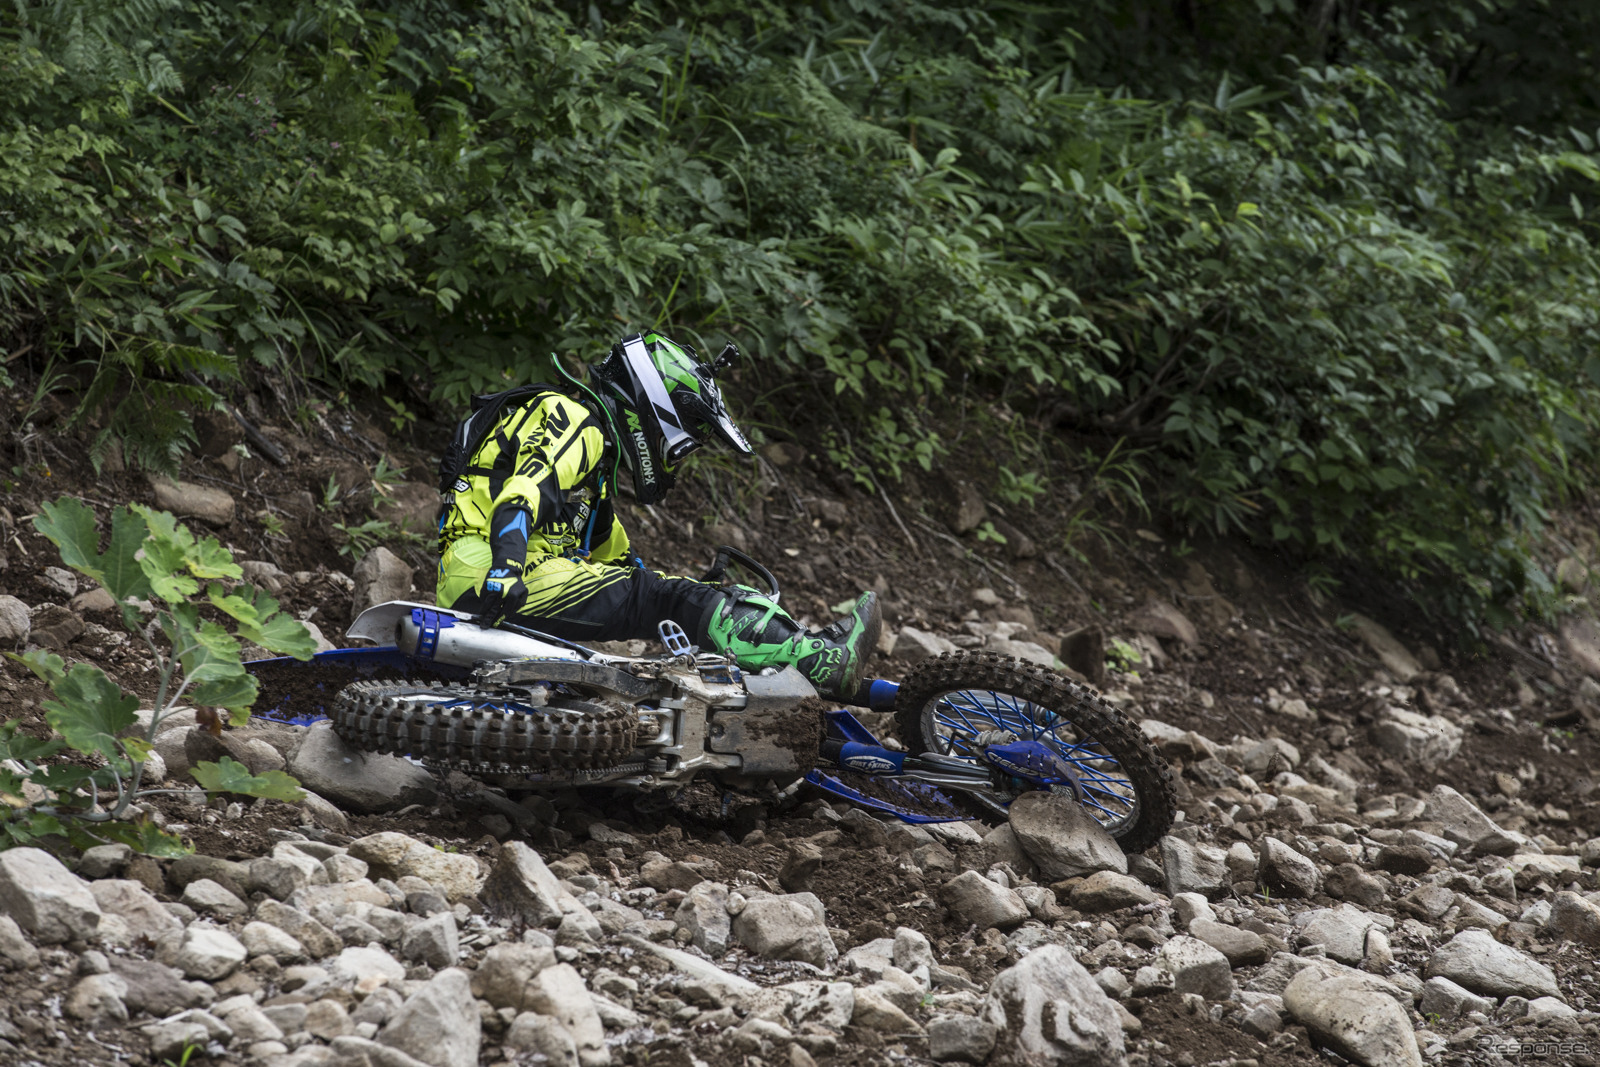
{"x": 758, "y": 633}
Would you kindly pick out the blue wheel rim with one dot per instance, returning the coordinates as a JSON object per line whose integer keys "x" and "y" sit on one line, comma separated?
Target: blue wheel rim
{"x": 960, "y": 715}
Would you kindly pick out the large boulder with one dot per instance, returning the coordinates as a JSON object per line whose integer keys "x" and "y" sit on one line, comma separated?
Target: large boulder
{"x": 362, "y": 782}
{"x": 1062, "y": 838}
{"x": 47, "y": 900}
{"x": 1048, "y": 1010}
{"x": 1362, "y": 1025}
{"x": 1474, "y": 960}
{"x": 381, "y": 576}
{"x": 438, "y": 1024}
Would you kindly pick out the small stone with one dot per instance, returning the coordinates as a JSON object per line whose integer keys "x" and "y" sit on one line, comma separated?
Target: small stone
{"x": 365, "y": 783}
{"x": 1410, "y": 737}
{"x": 1575, "y": 918}
{"x": 1241, "y": 947}
{"x": 976, "y": 899}
{"x": 521, "y": 885}
{"x": 18, "y": 954}
{"x": 104, "y": 861}
{"x": 1110, "y": 891}
{"x": 394, "y": 855}
{"x": 187, "y": 500}
{"x": 209, "y": 898}
{"x": 372, "y": 964}
{"x": 789, "y": 927}
{"x": 168, "y": 1040}
{"x": 704, "y": 913}
{"x": 15, "y": 621}
{"x": 1194, "y": 868}
{"x": 1197, "y": 967}
{"x": 1342, "y": 931}
{"x": 209, "y": 953}
{"x": 1396, "y": 658}
{"x": 1062, "y": 838}
{"x": 381, "y": 576}
{"x": 1048, "y": 1009}
{"x": 507, "y": 973}
{"x": 434, "y": 941}
{"x": 1446, "y": 1000}
{"x": 962, "y": 1038}
{"x": 559, "y": 992}
{"x": 1413, "y": 860}
{"x": 327, "y": 1019}
{"x": 97, "y": 1000}
{"x": 154, "y": 988}
{"x": 1286, "y": 871}
{"x": 316, "y": 939}
{"x": 544, "y": 1036}
{"x": 1349, "y": 882}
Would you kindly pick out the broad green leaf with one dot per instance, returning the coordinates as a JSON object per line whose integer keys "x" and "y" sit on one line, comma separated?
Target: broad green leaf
{"x": 120, "y": 570}
{"x": 205, "y": 650}
{"x": 89, "y": 710}
{"x": 173, "y": 559}
{"x": 261, "y": 623}
{"x": 138, "y": 749}
{"x": 228, "y": 775}
{"x": 68, "y": 523}
{"x": 235, "y": 692}
{"x": 19, "y": 746}
{"x": 145, "y": 837}
{"x": 49, "y": 667}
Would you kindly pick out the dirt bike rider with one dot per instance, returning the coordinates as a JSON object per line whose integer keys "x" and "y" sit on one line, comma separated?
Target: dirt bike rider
{"x": 529, "y": 531}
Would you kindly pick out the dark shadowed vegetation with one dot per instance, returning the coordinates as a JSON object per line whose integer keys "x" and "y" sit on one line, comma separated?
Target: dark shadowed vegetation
{"x": 1325, "y": 267}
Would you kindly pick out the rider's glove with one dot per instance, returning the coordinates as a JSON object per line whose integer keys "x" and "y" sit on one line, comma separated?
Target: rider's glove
{"x": 503, "y": 594}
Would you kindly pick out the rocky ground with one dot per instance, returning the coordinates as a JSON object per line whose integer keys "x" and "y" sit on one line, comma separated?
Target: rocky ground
{"x": 1387, "y": 852}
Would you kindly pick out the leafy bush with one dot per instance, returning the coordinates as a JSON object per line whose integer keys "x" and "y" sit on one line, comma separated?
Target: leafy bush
{"x": 1332, "y": 316}
{"x": 150, "y": 561}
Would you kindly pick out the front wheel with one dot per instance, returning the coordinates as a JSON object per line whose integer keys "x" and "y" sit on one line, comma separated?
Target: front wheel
{"x": 946, "y": 705}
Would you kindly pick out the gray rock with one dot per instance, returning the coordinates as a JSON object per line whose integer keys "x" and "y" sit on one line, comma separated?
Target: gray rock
{"x": 1342, "y": 931}
{"x": 15, "y": 950}
{"x": 875, "y": 1009}
{"x": 1194, "y": 868}
{"x": 704, "y": 913}
{"x": 1465, "y": 824}
{"x": 1062, "y": 838}
{"x": 1109, "y": 891}
{"x": 1575, "y": 918}
{"x": 1360, "y": 1024}
{"x": 912, "y": 950}
{"x": 48, "y": 901}
{"x": 963, "y": 1038}
{"x": 1048, "y": 1010}
{"x": 1474, "y": 960}
{"x": 381, "y": 576}
{"x": 209, "y": 953}
{"x": 132, "y": 902}
{"x": 323, "y": 813}
{"x": 15, "y": 622}
{"x": 439, "y": 1023}
{"x": 152, "y": 987}
{"x": 1396, "y": 658}
{"x": 912, "y": 645}
{"x": 560, "y": 993}
{"x": 521, "y": 885}
{"x": 1410, "y": 737}
{"x": 1427, "y": 902}
{"x": 1187, "y": 907}
{"x": 317, "y": 940}
{"x": 280, "y": 876}
{"x": 1286, "y": 871}
{"x": 97, "y": 1000}
{"x": 976, "y": 899}
{"x": 250, "y": 1024}
{"x": 209, "y": 898}
{"x": 1241, "y": 947}
{"x": 59, "y": 581}
{"x": 507, "y": 973}
{"x": 187, "y": 500}
{"x": 1349, "y": 882}
{"x": 354, "y": 1051}
{"x": 357, "y": 963}
{"x": 1197, "y": 967}
{"x": 104, "y": 861}
{"x": 829, "y": 1004}
{"x": 169, "y": 1039}
{"x": 434, "y": 941}
{"x": 362, "y": 782}
{"x": 544, "y": 1036}
{"x": 1445, "y": 999}
{"x": 792, "y": 927}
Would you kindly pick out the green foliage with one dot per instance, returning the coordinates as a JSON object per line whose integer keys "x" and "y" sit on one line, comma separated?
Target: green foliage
{"x": 148, "y": 557}
{"x": 1316, "y": 264}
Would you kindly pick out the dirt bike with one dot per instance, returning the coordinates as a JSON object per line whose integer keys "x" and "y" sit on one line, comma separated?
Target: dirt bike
{"x": 533, "y": 712}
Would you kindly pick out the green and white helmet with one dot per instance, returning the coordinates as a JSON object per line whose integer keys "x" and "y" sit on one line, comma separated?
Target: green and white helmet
{"x": 664, "y": 404}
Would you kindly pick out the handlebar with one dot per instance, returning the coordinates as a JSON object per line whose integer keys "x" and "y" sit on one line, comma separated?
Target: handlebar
{"x": 727, "y": 554}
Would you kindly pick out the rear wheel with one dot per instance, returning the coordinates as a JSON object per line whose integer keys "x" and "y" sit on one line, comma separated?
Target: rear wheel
{"x": 481, "y": 730}
{"x": 947, "y": 705}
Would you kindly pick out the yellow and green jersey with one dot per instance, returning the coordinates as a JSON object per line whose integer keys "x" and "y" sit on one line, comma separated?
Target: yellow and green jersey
{"x": 558, "y": 446}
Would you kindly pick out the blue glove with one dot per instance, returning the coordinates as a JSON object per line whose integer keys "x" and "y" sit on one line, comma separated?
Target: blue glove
{"x": 503, "y": 594}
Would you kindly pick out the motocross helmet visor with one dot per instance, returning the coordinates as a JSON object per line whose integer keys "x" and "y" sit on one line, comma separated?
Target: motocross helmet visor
{"x": 664, "y": 404}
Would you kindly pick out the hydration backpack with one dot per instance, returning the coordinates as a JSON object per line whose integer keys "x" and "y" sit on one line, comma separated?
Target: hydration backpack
{"x": 487, "y": 411}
